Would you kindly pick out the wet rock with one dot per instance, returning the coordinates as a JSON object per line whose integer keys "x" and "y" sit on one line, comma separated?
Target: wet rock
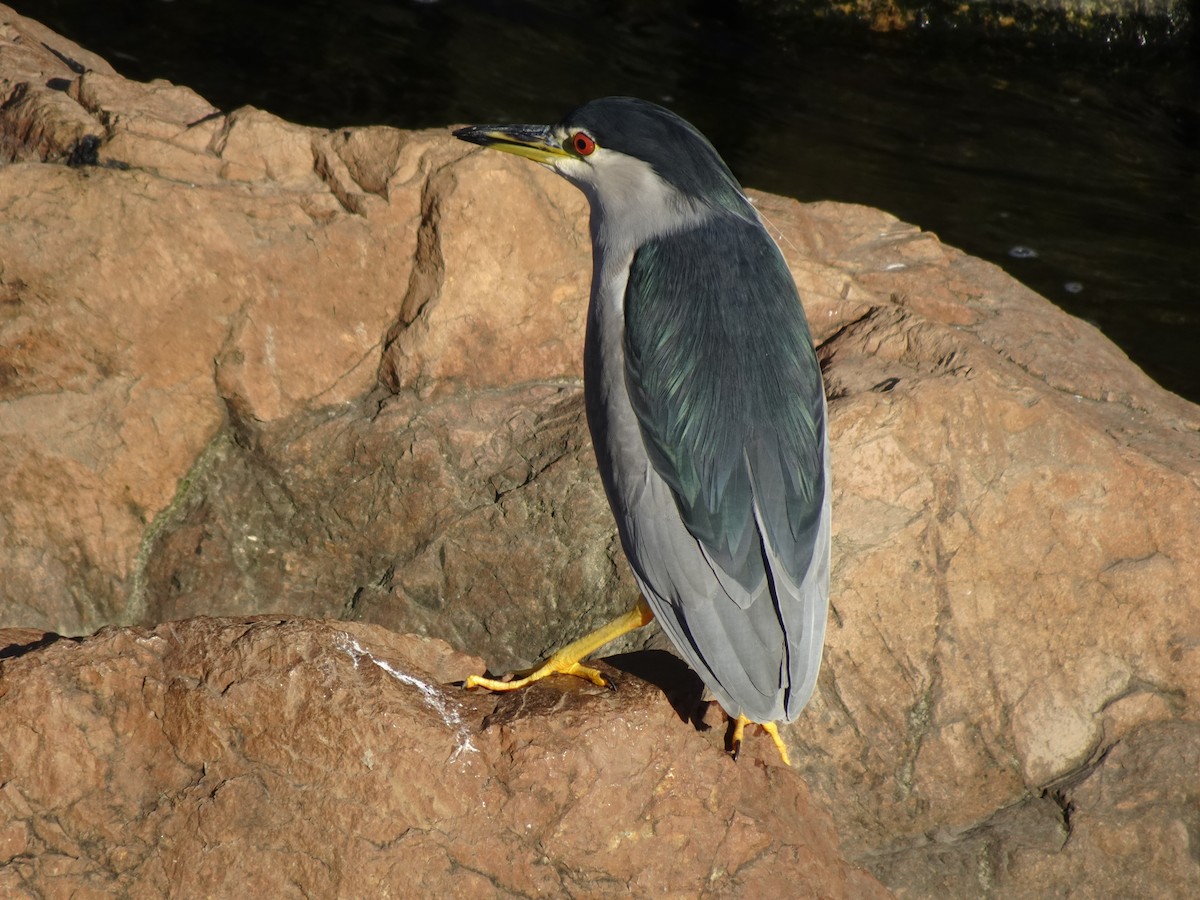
{"x": 1108, "y": 24}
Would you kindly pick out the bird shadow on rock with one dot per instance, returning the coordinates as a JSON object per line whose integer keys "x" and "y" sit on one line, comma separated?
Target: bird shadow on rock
{"x": 682, "y": 687}
{"x": 22, "y": 644}
{"x": 654, "y": 669}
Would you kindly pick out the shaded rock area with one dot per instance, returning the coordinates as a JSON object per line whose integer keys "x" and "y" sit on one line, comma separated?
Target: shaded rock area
{"x": 248, "y": 367}
{"x": 215, "y": 757}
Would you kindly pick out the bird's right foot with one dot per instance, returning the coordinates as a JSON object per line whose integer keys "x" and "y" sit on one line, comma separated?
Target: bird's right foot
{"x": 567, "y": 660}
{"x": 553, "y": 666}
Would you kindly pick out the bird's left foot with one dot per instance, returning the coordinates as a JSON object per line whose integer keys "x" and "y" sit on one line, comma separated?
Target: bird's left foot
{"x": 739, "y": 728}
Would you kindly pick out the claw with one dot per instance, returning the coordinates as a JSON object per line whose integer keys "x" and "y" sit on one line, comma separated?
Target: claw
{"x": 739, "y": 729}
{"x": 735, "y": 740}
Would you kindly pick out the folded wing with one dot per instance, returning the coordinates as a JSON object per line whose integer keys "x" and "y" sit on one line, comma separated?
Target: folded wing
{"x": 727, "y": 392}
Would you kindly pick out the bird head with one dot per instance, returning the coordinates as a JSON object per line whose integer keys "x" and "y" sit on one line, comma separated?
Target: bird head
{"x": 641, "y": 166}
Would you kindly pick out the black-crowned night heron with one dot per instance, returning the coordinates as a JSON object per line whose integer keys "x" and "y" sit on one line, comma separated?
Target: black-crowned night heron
{"x": 706, "y": 407}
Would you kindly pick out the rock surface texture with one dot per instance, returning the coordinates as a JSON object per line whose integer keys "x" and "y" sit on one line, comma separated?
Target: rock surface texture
{"x": 251, "y": 368}
{"x": 274, "y": 758}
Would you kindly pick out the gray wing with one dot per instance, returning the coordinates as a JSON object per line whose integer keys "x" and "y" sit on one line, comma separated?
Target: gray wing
{"x": 727, "y": 392}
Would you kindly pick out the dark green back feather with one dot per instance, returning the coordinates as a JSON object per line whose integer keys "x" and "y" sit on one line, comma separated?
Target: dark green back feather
{"x": 727, "y": 391}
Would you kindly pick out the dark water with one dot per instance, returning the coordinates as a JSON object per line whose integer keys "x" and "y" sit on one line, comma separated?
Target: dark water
{"x": 1075, "y": 168}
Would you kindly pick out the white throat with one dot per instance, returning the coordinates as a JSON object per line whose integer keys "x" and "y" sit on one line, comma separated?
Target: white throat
{"x": 630, "y": 202}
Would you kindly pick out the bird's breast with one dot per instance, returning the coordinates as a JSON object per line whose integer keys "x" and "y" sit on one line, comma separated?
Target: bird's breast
{"x": 620, "y": 452}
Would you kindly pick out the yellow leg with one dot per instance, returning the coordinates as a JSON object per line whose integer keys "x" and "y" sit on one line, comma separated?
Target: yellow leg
{"x": 771, "y": 729}
{"x": 566, "y": 660}
{"x": 739, "y": 728}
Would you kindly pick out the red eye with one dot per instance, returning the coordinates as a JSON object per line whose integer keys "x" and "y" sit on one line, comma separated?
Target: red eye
{"x": 583, "y": 144}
